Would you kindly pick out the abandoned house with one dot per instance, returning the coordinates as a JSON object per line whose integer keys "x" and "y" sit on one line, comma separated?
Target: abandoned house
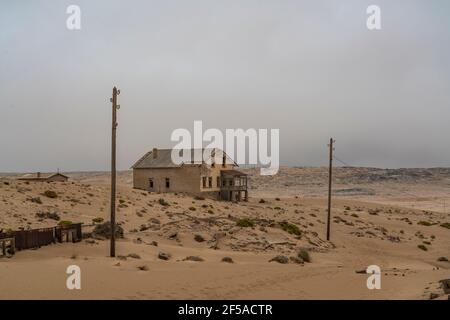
{"x": 49, "y": 177}
{"x": 213, "y": 176}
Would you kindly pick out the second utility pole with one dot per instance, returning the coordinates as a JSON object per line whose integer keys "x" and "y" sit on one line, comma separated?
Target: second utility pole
{"x": 330, "y": 172}
{"x": 113, "y": 172}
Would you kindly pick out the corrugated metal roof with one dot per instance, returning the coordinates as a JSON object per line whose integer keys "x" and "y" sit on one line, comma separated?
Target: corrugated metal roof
{"x": 164, "y": 158}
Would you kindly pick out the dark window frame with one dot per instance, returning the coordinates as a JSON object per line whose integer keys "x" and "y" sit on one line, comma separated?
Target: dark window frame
{"x": 167, "y": 183}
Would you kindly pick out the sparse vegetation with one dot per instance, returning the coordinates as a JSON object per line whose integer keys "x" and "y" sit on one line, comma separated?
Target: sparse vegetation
{"x": 97, "y": 220}
{"x": 245, "y": 223}
{"x": 446, "y": 225}
{"x": 290, "y": 228}
{"x": 425, "y": 223}
{"x": 304, "y": 255}
{"x": 48, "y": 215}
{"x": 199, "y": 198}
{"x": 199, "y": 238}
{"x": 143, "y": 267}
{"x": 262, "y": 201}
{"x": 50, "y": 194}
{"x": 36, "y": 200}
{"x": 227, "y": 260}
{"x": 192, "y": 208}
{"x": 163, "y": 202}
{"x": 193, "y": 258}
{"x": 280, "y": 259}
{"x": 422, "y": 247}
{"x": 103, "y": 231}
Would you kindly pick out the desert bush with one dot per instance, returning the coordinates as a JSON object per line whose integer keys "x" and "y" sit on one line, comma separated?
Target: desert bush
{"x": 97, "y": 220}
{"x": 192, "y": 208}
{"x": 163, "y": 202}
{"x": 425, "y": 223}
{"x": 290, "y": 228}
{"x": 422, "y": 247}
{"x": 262, "y": 201}
{"x": 143, "y": 267}
{"x": 193, "y": 258}
{"x": 48, "y": 215}
{"x": 199, "y": 198}
{"x": 50, "y": 194}
{"x": 446, "y": 225}
{"x": 199, "y": 238}
{"x": 280, "y": 259}
{"x": 103, "y": 231}
{"x": 245, "y": 222}
{"x": 36, "y": 200}
{"x": 304, "y": 255}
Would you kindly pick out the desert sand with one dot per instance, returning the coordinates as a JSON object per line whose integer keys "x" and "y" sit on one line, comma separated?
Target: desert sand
{"x": 379, "y": 217}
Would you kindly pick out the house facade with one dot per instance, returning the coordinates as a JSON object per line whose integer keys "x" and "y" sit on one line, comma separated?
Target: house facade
{"x": 215, "y": 176}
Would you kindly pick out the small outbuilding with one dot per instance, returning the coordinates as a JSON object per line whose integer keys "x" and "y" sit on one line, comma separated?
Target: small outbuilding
{"x": 48, "y": 177}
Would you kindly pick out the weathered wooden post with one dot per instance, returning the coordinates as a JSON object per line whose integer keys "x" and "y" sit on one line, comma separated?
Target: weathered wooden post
{"x": 330, "y": 171}
{"x": 113, "y": 172}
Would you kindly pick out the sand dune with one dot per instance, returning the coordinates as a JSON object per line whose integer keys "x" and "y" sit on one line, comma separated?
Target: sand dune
{"x": 379, "y": 217}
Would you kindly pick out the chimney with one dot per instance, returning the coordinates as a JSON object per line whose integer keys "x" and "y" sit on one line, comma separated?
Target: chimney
{"x": 155, "y": 153}
{"x": 38, "y": 174}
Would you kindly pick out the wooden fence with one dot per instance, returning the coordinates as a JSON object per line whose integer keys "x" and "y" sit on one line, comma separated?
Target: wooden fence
{"x": 36, "y": 238}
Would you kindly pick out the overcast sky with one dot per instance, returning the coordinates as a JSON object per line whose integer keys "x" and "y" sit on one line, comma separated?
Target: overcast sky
{"x": 309, "y": 68}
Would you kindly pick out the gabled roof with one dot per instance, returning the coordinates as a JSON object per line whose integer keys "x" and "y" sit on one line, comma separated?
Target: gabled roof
{"x": 164, "y": 158}
{"x": 40, "y": 176}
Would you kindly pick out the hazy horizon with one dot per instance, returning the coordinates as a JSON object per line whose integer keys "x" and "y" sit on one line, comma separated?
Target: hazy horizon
{"x": 308, "y": 68}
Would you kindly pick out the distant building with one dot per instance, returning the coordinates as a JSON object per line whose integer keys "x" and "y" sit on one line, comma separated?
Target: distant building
{"x": 156, "y": 172}
{"x": 48, "y": 177}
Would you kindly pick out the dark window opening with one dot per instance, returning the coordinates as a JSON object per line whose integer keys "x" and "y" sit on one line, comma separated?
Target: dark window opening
{"x": 218, "y": 182}
{"x": 167, "y": 183}
{"x": 204, "y": 182}
{"x": 150, "y": 183}
{"x": 210, "y": 182}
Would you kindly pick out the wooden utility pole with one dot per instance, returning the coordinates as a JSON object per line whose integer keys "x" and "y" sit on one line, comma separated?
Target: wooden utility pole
{"x": 330, "y": 172}
{"x": 113, "y": 171}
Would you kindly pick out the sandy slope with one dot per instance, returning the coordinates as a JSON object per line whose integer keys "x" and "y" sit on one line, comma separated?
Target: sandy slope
{"x": 375, "y": 221}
